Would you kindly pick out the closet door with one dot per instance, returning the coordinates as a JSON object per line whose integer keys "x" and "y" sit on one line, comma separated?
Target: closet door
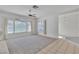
{"x": 68, "y": 25}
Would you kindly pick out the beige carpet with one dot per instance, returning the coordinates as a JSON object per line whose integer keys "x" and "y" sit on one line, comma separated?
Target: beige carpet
{"x": 28, "y": 44}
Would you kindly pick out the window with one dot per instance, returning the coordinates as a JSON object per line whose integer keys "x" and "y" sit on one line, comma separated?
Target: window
{"x": 18, "y": 26}
{"x": 28, "y": 26}
{"x": 40, "y": 26}
{"x": 10, "y": 26}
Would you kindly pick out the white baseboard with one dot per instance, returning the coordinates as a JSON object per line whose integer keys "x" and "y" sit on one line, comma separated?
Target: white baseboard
{"x": 48, "y": 36}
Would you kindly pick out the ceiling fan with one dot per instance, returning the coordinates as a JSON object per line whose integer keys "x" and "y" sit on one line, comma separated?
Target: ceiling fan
{"x": 31, "y": 12}
{"x": 35, "y": 7}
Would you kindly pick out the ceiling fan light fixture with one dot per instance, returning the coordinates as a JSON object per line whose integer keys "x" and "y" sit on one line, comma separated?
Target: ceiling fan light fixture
{"x": 31, "y": 12}
{"x": 35, "y": 6}
{"x": 30, "y": 15}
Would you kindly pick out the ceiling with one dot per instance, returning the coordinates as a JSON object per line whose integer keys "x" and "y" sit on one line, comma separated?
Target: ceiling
{"x": 43, "y": 11}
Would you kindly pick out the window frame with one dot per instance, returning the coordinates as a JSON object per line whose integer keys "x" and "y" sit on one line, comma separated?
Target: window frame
{"x": 14, "y": 32}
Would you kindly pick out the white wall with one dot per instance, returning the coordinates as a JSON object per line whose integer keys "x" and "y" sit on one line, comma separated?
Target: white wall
{"x": 1, "y": 28}
{"x": 34, "y": 26}
{"x": 51, "y": 26}
{"x": 68, "y": 24}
